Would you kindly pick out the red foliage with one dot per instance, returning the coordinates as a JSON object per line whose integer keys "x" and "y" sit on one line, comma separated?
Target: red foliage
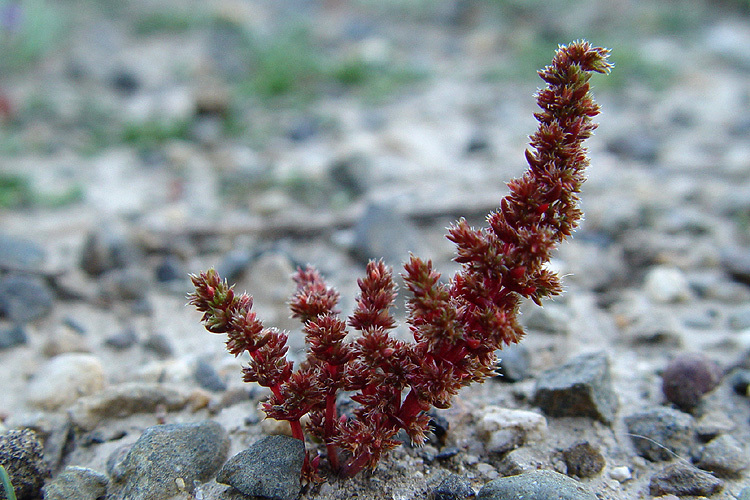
{"x": 457, "y": 326}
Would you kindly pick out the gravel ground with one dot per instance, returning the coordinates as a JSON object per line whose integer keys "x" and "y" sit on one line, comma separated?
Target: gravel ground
{"x": 148, "y": 141}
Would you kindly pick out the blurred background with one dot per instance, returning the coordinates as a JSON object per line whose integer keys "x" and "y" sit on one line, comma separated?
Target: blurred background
{"x": 260, "y": 105}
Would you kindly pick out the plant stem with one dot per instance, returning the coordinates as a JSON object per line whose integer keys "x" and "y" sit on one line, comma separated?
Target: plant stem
{"x": 331, "y": 417}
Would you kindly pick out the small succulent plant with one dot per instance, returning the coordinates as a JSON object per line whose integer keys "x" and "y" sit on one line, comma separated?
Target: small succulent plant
{"x": 457, "y": 325}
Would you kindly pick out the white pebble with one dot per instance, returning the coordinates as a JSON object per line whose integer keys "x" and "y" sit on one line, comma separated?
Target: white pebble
{"x": 667, "y": 285}
{"x": 64, "y": 379}
{"x": 620, "y": 474}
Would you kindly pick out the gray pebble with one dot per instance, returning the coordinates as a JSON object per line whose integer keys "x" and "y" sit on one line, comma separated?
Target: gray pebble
{"x": 22, "y": 455}
{"x": 159, "y": 345}
{"x": 207, "y": 377}
{"x": 19, "y": 254}
{"x": 270, "y": 468}
{"x": 167, "y": 458}
{"x": 453, "y": 487}
{"x": 744, "y": 494}
{"x": 682, "y": 479}
{"x": 514, "y": 363}
{"x": 106, "y": 249}
{"x": 12, "y": 336}
{"x": 122, "y": 340}
{"x": 123, "y": 400}
{"x": 77, "y": 483}
{"x": 739, "y": 380}
{"x": 24, "y": 298}
{"x": 736, "y": 262}
{"x": 687, "y": 377}
{"x": 583, "y": 460}
{"x": 383, "y": 232}
{"x": 535, "y": 485}
{"x": 740, "y": 319}
{"x": 661, "y": 433}
{"x": 580, "y": 388}
{"x": 724, "y": 456}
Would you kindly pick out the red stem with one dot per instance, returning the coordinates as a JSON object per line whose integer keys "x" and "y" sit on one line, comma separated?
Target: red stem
{"x": 331, "y": 417}
{"x": 355, "y": 465}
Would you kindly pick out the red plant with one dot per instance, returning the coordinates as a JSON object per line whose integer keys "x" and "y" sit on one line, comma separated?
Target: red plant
{"x": 457, "y": 326}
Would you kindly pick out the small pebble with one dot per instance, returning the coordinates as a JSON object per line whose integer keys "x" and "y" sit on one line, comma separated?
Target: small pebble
{"x": 24, "y": 298}
{"x": 583, "y": 460}
{"x": 683, "y": 479}
{"x": 207, "y": 377}
{"x": 77, "y": 483}
{"x": 620, "y": 473}
{"x": 661, "y": 433}
{"x": 453, "y": 487}
{"x": 159, "y": 345}
{"x": 687, "y": 377}
{"x": 535, "y": 485}
{"x": 22, "y": 455}
{"x": 122, "y": 340}
{"x": 514, "y": 363}
{"x": 270, "y": 468}
{"x": 12, "y": 336}
{"x": 503, "y": 429}
{"x": 667, "y": 285}
{"x": 581, "y": 387}
{"x": 64, "y": 379}
{"x": 165, "y": 453}
{"x": 723, "y": 456}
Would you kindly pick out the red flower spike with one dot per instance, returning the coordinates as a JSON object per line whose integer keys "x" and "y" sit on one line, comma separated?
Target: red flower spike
{"x": 457, "y": 325}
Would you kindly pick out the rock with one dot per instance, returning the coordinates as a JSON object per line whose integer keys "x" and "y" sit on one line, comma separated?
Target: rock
{"x": 270, "y": 468}
{"x": 520, "y": 460}
{"x": 453, "y": 487}
{"x": 122, "y": 340}
{"x": 77, "y": 483}
{"x": 744, "y": 494}
{"x": 637, "y": 146}
{"x": 304, "y": 128}
{"x": 682, "y": 479}
{"x": 535, "y": 485}
{"x": 551, "y": 318}
{"x": 166, "y": 456}
{"x": 723, "y": 456}
{"x": 125, "y": 81}
{"x": 580, "y": 388}
{"x": 503, "y": 429}
{"x": 713, "y": 423}
{"x": 383, "y": 232}
{"x": 12, "y": 336}
{"x": 667, "y": 285}
{"x": 351, "y": 174}
{"x": 234, "y": 264}
{"x": 207, "y": 377}
{"x": 159, "y": 344}
{"x": 661, "y": 433}
{"x": 170, "y": 269}
{"x": 620, "y": 473}
{"x": 739, "y": 319}
{"x": 736, "y": 262}
{"x": 583, "y": 460}
{"x": 22, "y": 455}
{"x": 687, "y": 377}
{"x": 739, "y": 380}
{"x": 24, "y": 298}
{"x": 131, "y": 283}
{"x": 107, "y": 248}
{"x": 52, "y": 429}
{"x": 64, "y": 379}
{"x": 122, "y": 400}
{"x": 514, "y": 363}
{"x": 17, "y": 254}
